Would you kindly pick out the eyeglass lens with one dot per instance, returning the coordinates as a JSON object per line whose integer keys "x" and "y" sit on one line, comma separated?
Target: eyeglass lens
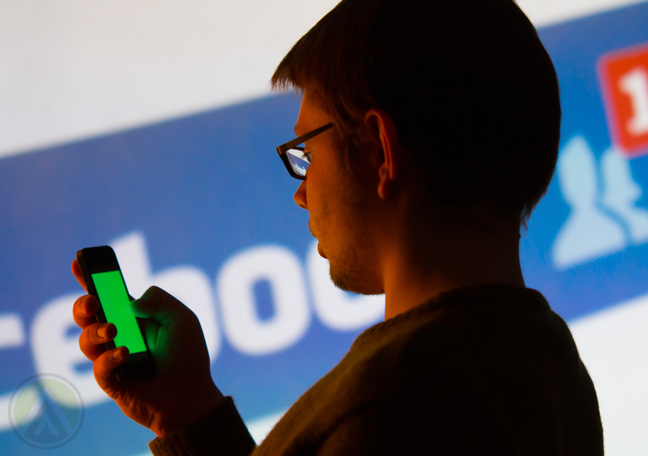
{"x": 299, "y": 161}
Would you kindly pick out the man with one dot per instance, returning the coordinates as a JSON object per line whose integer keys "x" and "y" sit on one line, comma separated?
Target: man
{"x": 431, "y": 130}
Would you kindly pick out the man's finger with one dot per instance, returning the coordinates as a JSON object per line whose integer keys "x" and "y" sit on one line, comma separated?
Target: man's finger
{"x": 84, "y": 311}
{"x": 93, "y": 338}
{"x": 76, "y": 270}
{"x": 104, "y": 366}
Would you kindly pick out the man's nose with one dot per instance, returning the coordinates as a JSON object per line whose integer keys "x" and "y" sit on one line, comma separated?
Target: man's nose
{"x": 300, "y": 196}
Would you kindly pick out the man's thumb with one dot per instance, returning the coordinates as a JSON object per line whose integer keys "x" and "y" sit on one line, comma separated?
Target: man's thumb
{"x": 158, "y": 305}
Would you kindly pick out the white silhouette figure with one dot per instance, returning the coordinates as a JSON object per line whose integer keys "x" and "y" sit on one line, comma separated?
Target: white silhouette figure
{"x": 621, "y": 194}
{"x": 587, "y": 233}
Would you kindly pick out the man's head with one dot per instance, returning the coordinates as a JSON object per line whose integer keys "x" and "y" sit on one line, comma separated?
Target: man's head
{"x": 470, "y": 88}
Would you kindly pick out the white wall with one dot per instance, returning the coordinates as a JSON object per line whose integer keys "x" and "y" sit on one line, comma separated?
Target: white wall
{"x": 71, "y": 69}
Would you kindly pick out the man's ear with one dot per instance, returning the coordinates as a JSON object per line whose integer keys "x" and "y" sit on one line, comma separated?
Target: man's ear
{"x": 383, "y": 132}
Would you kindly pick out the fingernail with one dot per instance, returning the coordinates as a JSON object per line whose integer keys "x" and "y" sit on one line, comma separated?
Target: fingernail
{"x": 101, "y": 332}
{"x": 117, "y": 354}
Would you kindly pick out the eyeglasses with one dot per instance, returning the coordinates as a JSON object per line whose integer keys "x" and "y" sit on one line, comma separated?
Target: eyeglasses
{"x": 294, "y": 157}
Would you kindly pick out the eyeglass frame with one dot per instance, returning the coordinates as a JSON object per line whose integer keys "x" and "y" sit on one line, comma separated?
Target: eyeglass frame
{"x": 283, "y": 149}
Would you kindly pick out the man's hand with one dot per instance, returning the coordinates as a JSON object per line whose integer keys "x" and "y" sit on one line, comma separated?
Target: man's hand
{"x": 182, "y": 390}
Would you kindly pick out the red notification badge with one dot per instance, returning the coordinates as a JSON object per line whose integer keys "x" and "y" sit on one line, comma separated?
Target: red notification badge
{"x": 624, "y": 82}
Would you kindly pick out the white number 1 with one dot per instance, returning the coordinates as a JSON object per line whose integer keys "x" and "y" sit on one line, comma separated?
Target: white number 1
{"x": 635, "y": 84}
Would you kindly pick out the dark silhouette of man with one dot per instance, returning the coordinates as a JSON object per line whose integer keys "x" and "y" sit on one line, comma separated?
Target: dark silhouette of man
{"x": 430, "y": 131}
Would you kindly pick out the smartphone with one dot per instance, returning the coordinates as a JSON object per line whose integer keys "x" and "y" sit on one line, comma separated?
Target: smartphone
{"x": 105, "y": 281}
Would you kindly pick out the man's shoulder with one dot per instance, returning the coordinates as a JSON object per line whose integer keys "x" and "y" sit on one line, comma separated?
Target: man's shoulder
{"x": 482, "y": 363}
{"x": 492, "y": 333}
{"x": 484, "y": 317}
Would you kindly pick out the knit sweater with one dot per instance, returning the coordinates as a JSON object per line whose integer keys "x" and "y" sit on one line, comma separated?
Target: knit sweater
{"x": 475, "y": 371}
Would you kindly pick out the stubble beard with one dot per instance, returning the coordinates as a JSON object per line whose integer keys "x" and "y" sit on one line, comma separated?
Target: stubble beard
{"x": 350, "y": 267}
{"x": 348, "y": 272}
{"x": 345, "y": 270}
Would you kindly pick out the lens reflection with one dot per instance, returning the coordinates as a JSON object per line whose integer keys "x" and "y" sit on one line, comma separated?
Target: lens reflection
{"x": 298, "y": 161}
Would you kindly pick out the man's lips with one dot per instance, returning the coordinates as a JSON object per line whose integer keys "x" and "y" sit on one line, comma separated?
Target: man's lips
{"x": 319, "y": 248}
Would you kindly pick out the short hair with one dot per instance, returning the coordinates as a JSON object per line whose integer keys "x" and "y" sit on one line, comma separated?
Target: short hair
{"x": 471, "y": 89}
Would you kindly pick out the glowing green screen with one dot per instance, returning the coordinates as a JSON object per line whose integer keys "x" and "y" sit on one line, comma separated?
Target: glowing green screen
{"x": 114, "y": 300}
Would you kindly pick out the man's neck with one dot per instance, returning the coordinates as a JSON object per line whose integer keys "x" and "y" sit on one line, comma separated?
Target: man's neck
{"x": 425, "y": 262}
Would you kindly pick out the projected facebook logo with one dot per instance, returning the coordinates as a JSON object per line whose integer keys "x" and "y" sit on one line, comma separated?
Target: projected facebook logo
{"x": 202, "y": 207}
